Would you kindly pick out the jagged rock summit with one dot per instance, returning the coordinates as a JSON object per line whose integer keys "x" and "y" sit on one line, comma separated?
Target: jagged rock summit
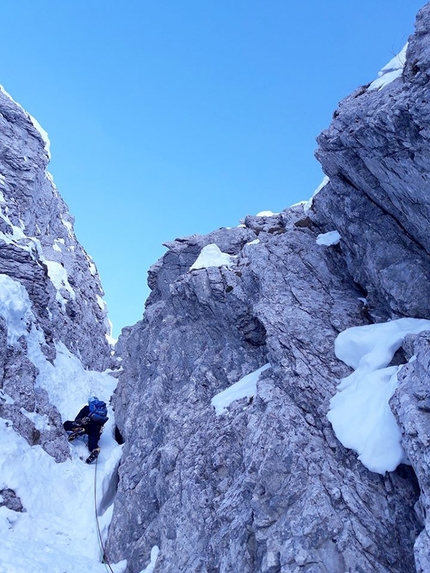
{"x": 262, "y": 484}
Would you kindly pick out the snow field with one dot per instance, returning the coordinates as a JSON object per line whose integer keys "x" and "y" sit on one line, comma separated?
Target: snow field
{"x": 58, "y": 531}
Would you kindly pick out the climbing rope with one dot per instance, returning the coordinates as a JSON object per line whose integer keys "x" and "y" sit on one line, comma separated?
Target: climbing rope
{"x": 104, "y": 557}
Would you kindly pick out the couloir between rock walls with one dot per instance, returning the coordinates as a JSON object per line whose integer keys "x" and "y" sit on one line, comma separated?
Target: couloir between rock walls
{"x": 263, "y": 486}
{"x": 266, "y": 486}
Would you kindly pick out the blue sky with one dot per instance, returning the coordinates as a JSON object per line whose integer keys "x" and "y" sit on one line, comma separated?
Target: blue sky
{"x": 174, "y": 117}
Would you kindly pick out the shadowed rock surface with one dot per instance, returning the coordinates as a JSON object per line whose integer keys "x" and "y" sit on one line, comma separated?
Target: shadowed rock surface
{"x": 266, "y": 487}
{"x": 411, "y": 406}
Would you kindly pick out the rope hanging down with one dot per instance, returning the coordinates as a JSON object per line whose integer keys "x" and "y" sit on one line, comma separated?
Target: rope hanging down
{"x": 104, "y": 557}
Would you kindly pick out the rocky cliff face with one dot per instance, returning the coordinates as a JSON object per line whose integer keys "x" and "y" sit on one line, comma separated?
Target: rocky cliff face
{"x": 265, "y": 486}
{"x": 50, "y": 290}
{"x": 260, "y": 484}
{"x": 411, "y": 405}
{"x": 376, "y": 155}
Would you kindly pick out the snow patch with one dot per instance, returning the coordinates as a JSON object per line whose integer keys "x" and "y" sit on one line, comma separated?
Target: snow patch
{"x": 111, "y": 340}
{"x": 212, "y": 256}
{"x": 308, "y": 204}
{"x": 390, "y": 71}
{"x": 359, "y": 413}
{"x": 246, "y": 387}
{"x": 266, "y": 214}
{"x": 17, "y": 232}
{"x": 5, "y": 397}
{"x": 328, "y": 239}
{"x": 59, "y": 278}
{"x": 15, "y": 308}
{"x": 43, "y": 134}
{"x": 154, "y": 554}
{"x": 17, "y": 235}
{"x": 50, "y": 178}
{"x": 69, "y": 227}
{"x": 7, "y": 94}
{"x": 41, "y": 422}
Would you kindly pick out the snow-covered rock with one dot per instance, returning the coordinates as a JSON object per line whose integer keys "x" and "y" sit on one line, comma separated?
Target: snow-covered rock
{"x": 52, "y": 347}
{"x": 48, "y": 294}
{"x": 38, "y": 247}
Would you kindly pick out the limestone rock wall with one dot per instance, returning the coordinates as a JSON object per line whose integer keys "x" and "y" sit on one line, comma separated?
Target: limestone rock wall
{"x": 376, "y": 154}
{"x": 266, "y": 487}
{"x": 38, "y": 246}
{"x": 411, "y": 405}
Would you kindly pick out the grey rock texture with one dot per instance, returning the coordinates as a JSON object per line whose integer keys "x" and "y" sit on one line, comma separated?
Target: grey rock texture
{"x": 411, "y": 405}
{"x": 376, "y": 153}
{"x": 39, "y": 250}
{"x": 266, "y": 487}
{"x": 9, "y": 499}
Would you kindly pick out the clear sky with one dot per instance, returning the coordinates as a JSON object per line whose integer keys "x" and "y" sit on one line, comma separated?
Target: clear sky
{"x": 174, "y": 117}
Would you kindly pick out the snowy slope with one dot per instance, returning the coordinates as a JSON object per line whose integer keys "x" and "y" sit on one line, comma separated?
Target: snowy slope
{"x": 57, "y": 530}
{"x": 53, "y": 327}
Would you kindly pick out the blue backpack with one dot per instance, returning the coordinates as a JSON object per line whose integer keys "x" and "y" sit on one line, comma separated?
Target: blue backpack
{"x": 98, "y": 411}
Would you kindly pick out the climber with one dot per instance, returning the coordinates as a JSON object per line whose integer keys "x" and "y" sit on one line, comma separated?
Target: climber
{"x": 89, "y": 421}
